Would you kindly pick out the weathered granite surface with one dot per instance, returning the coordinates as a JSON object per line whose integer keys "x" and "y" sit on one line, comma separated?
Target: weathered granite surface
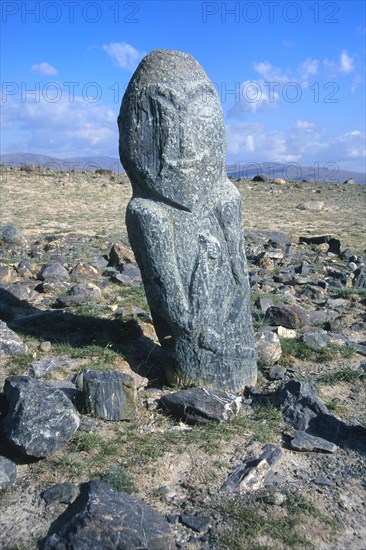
{"x": 185, "y": 222}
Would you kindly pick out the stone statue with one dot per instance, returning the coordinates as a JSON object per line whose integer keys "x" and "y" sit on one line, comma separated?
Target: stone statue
{"x": 184, "y": 222}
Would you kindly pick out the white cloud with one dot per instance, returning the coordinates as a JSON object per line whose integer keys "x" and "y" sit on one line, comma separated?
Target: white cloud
{"x": 344, "y": 65}
{"x": 270, "y": 73}
{"x": 255, "y": 96}
{"x": 61, "y": 128}
{"x": 44, "y": 68}
{"x": 304, "y": 144}
{"x": 124, "y": 55}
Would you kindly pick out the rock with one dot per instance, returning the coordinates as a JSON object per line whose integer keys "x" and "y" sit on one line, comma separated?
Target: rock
{"x": 350, "y": 181}
{"x": 277, "y": 372}
{"x": 105, "y": 518}
{"x": 40, "y": 368}
{"x": 41, "y": 419}
{"x": 10, "y": 342}
{"x": 45, "y": 346}
{"x": 302, "y": 441}
{"x": 63, "y": 492}
{"x": 8, "y": 472}
{"x": 197, "y": 523}
{"x": 279, "y": 181}
{"x": 111, "y": 395}
{"x": 53, "y": 271}
{"x": 10, "y": 234}
{"x": 348, "y": 256}
{"x": 184, "y": 223}
{"x": 315, "y": 339}
{"x": 352, "y": 266}
{"x": 291, "y": 317}
{"x": 299, "y": 403}
{"x": 315, "y": 240}
{"x": 359, "y": 280}
{"x": 200, "y": 405}
{"x": 7, "y": 274}
{"x": 119, "y": 255}
{"x": 315, "y": 206}
{"x": 268, "y": 348}
{"x": 81, "y": 293}
{"x": 84, "y": 271}
{"x": 286, "y": 333}
{"x": 261, "y": 178}
{"x": 334, "y": 246}
{"x": 253, "y": 473}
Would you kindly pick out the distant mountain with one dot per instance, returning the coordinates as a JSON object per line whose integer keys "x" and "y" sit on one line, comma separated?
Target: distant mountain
{"x": 72, "y": 163}
{"x": 272, "y": 170}
{"x": 293, "y": 172}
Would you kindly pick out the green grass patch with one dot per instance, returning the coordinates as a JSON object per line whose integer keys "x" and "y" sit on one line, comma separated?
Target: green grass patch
{"x": 296, "y": 347}
{"x": 246, "y": 523}
{"x": 133, "y": 296}
{"x": 119, "y": 480}
{"x": 344, "y": 375}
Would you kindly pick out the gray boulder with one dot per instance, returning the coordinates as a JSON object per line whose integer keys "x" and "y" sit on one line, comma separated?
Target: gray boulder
{"x": 200, "y": 405}
{"x": 102, "y": 518}
{"x": 10, "y": 234}
{"x": 53, "y": 271}
{"x": 8, "y": 472}
{"x": 303, "y": 441}
{"x": 287, "y": 316}
{"x": 40, "y": 419}
{"x": 185, "y": 223}
{"x": 10, "y": 342}
{"x": 111, "y": 395}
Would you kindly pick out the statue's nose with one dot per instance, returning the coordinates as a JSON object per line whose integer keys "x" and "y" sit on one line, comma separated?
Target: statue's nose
{"x": 186, "y": 141}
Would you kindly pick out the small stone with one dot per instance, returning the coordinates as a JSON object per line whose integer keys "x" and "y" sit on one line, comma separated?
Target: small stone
{"x": 315, "y": 339}
{"x": 45, "y": 346}
{"x": 277, "y": 372}
{"x": 81, "y": 293}
{"x": 315, "y": 206}
{"x": 200, "y": 405}
{"x": 10, "y": 234}
{"x": 120, "y": 255}
{"x": 306, "y": 442}
{"x": 352, "y": 266}
{"x": 53, "y": 271}
{"x": 7, "y": 274}
{"x": 40, "y": 368}
{"x": 291, "y": 317}
{"x": 197, "y": 523}
{"x": 8, "y": 472}
{"x": 286, "y": 333}
{"x": 276, "y": 498}
{"x": 323, "y": 248}
{"x": 63, "y": 492}
{"x": 320, "y": 480}
{"x": 279, "y": 181}
{"x": 268, "y": 347}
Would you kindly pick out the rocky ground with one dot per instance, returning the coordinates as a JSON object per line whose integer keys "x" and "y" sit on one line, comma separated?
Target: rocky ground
{"x": 71, "y": 302}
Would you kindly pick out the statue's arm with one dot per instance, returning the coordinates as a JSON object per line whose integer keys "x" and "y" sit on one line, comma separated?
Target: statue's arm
{"x": 229, "y": 212}
{"x": 150, "y": 229}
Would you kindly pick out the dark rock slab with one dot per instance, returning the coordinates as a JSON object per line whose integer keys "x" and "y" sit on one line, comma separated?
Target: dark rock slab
{"x": 111, "y": 395}
{"x": 40, "y": 368}
{"x": 299, "y": 403}
{"x": 40, "y": 419}
{"x": 196, "y": 523}
{"x": 62, "y": 492}
{"x": 287, "y": 316}
{"x": 81, "y": 293}
{"x": 10, "y": 342}
{"x": 306, "y": 442}
{"x": 197, "y": 405}
{"x": 315, "y": 240}
{"x": 254, "y": 472}
{"x": 102, "y": 518}
{"x": 53, "y": 271}
{"x": 8, "y": 472}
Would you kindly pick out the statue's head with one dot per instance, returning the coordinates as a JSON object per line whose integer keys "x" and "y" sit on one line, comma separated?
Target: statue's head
{"x": 171, "y": 127}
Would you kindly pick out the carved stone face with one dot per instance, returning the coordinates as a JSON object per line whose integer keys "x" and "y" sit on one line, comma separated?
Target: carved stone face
{"x": 172, "y": 134}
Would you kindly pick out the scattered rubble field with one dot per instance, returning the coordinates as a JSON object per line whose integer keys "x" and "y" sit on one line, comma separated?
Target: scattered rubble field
{"x": 71, "y": 301}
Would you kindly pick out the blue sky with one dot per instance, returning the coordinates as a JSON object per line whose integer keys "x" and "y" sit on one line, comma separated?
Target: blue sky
{"x": 290, "y": 75}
